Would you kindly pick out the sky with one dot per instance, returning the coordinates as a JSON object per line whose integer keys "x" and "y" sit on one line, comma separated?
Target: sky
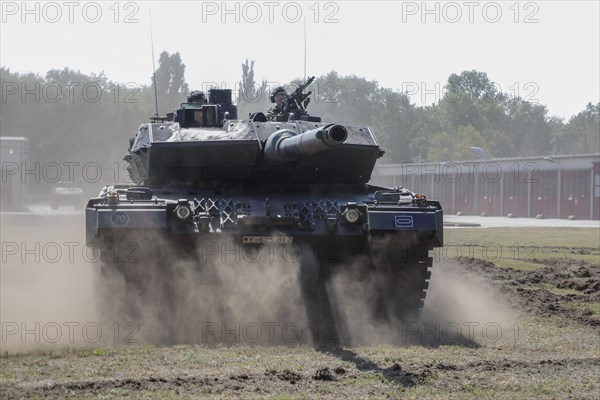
{"x": 544, "y": 51}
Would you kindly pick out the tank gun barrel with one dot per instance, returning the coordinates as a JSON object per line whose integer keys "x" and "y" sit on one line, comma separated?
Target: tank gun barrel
{"x": 285, "y": 145}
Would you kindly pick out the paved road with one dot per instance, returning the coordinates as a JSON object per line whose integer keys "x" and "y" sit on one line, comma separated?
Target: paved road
{"x": 42, "y": 215}
{"x": 493, "y": 222}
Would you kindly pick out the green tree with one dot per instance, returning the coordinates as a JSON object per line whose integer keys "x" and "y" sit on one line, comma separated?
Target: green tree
{"x": 170, "y": 82}
{"x": 529, "y": 128}
{"x": 394, "y": 122}
{"x": 474, "y": 84}
{"x": 251, "y": 97}
{"x": 351, "y": 98}
{"x": 509, "y": 126}
{"x": 455, "y": 146}
{"x": 581, "y": 135}
{"x": 69, "y": 116}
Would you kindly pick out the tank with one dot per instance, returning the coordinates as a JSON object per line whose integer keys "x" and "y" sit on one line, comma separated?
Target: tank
{"x": 200, "y": 174}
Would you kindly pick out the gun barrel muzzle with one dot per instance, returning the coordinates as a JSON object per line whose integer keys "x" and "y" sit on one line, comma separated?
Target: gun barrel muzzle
{"x": 285, "y": 145}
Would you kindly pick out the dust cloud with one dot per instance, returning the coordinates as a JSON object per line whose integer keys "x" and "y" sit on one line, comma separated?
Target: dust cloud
{"x": 219, "y": 292}
{"x": 210, "y": 292}
{"x": 462, "y": 307}
{"x": 47, "y": 299}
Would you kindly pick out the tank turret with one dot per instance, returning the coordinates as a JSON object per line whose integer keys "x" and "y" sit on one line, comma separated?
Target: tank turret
{"x": 181, "y": 152}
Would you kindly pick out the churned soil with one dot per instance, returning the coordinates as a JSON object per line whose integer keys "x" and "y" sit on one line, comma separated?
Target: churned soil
{"x": 562, "y": 287}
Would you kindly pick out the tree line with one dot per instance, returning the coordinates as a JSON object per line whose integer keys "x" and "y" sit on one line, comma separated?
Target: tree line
{"x": 68, "y": 115}
{"x": 471, "y": 113}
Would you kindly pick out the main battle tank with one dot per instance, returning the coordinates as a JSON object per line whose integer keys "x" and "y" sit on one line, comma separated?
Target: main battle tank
{"x": 201, "y": 174}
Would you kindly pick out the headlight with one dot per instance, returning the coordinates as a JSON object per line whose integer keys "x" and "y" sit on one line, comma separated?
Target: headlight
{"x": 183, "y": 212}
{"x": 352, "y": 215}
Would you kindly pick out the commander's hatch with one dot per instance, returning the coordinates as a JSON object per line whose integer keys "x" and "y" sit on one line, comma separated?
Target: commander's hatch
{"x": 198, "y": 115}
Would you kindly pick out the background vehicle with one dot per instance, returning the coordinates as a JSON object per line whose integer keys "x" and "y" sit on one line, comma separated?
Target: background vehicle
{"x": 65, "y": 194}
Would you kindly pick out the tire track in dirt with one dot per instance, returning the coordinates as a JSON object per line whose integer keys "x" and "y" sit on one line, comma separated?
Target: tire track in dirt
{"x": 406, "y": 377}
{"x": 524, "y": 289}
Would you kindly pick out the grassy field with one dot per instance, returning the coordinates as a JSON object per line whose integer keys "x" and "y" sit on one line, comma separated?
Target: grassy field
{"x": 523, "y": 248}
{"x": 546, "y": 345}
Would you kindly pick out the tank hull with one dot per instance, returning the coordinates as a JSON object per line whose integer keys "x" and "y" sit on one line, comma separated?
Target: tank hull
{"x": 285, "y": 216}
{"x": 307, "y": 227}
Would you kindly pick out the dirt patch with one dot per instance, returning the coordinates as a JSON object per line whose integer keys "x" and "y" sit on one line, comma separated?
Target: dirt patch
{"x": 95, "y": 387}
{"x": 529, "y": 290}
{"x": 323, "y": 374}
{"x": 285, "y": 375}
{"x": 421, "y": 373}
{"x": 568, "y": 274}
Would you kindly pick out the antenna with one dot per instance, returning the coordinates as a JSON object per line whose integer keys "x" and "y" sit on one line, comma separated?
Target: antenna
{"x": 153, "y": 66}
{"x": 304, "y": 48}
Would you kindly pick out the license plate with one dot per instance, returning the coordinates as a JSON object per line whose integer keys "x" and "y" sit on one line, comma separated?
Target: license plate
{"x": 267, "y": 239}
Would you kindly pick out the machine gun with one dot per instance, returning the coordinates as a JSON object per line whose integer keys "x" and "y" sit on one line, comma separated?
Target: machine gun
{"x": 297, "y": 101}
